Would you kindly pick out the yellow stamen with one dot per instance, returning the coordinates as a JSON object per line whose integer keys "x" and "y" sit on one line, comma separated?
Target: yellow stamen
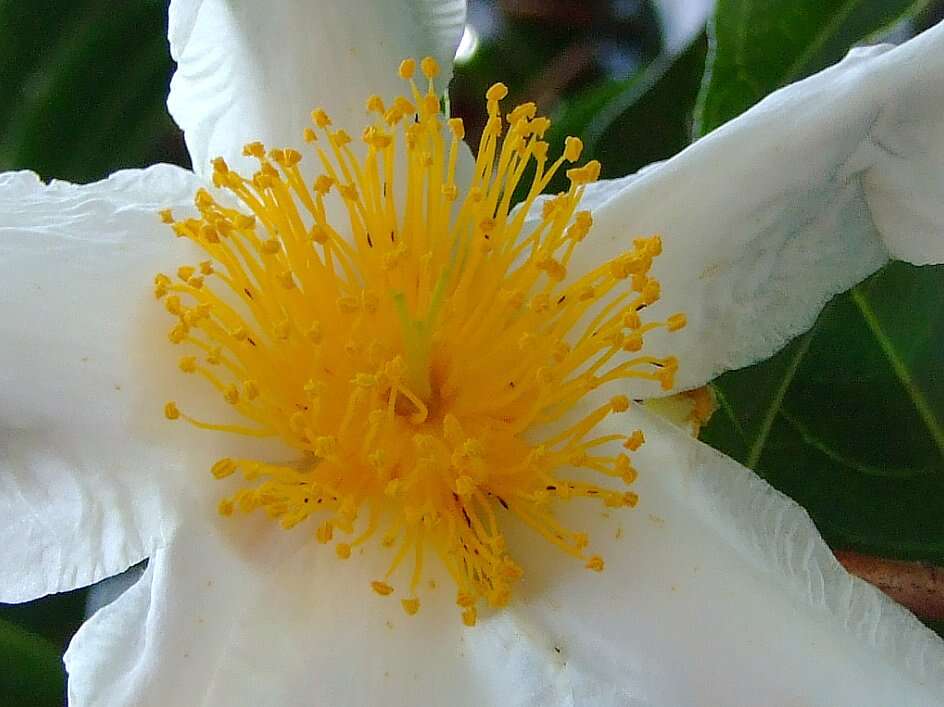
{"x": 411, "y": 354}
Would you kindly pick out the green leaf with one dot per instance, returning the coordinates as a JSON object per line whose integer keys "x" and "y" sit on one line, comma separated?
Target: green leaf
{"x": 84, "y": 86}
{"x": 758, "y": 46}
{"x": 33, "y": 636}
{"x": 631, "y": 123}
{"x": 849, "y": 418}
{"x": 32, "y": 672}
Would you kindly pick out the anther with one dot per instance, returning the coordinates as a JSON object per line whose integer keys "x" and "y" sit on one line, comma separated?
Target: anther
{"x": 676, "y": 322}
{"x": 382, "y": 588}
{"x": 465, "y": 486}
{"x": 429, "y": 67}
{"x": 457, "y": 127}
{"x": 251, "y": 389}
{"x": 325, "y": 532}
{"x": 573, "y": 146}
{"x": 375, "y": 104}
{"x": 320, "y": 118}
{"x": 619, "y": 403}
{"x": 231, "y": 394}
{"x": 223, "y": 468}
{"x": 496, "y": 92}
{"x": 634, "y": 441}
{"x": 407, "y": 68}
{"x": 469, "y": 616}
{"x": 652, "y": 291}
{"x": 254, "y": 149}
{"x": 633, "y": 342}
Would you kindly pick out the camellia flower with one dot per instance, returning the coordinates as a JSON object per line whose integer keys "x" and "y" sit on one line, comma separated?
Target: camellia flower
{"x": 420, "y": 399}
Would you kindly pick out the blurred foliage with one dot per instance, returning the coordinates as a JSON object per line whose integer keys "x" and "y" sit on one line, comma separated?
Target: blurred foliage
{"x": 31, "y": 667}
{"x": 846, "y": 419}
{"x": 84, "y": 84}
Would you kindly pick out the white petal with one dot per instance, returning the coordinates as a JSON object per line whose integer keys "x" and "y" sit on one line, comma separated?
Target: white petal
{"x": 251, "y": 70}
{"x": 682, "y": 21}
{"x": 240, "y": 612}
{"x": 719, "y": 591}
{"x": 118, "y": 630}
{"x": 798, "y": 199}
{"x": 84, "y": 450}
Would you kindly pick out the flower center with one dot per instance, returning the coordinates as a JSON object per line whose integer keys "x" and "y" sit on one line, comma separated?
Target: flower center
{"x": 413, "y": 361}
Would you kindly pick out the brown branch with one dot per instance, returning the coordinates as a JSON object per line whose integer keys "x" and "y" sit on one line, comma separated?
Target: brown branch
{"x": 915, "y": 585}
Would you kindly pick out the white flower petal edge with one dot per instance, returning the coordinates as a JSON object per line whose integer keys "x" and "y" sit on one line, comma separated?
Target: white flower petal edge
{"x": 718, "y": 590}
{"x": 250, "y": 70}
{"x": 807, "y": 193}
{"x": 84, "y": 459}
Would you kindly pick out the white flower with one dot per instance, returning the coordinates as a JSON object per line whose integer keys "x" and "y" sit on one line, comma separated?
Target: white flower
{"x": 717, "y": 589}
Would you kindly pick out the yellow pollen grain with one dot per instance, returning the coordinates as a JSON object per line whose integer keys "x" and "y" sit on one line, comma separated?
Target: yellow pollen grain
{"x": 325, "y": 533}
{"x": 407, "y": 68}
{"x": 470, "y": 616}
{"x": 412, "y": 354}
{"x": 382, "y": 588}
{"x": 223, "y": 468}
{"x": 429, "y": 67}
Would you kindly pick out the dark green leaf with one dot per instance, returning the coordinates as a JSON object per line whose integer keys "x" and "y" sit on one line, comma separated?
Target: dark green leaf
{"x": 631, "y": 123}
{"x": 84, "y": 87}
{"x": 849, "y": 419}
{"x": 758, "y": 46}
{"x": 33, "y": 636}
{"x": 32, "y": 671}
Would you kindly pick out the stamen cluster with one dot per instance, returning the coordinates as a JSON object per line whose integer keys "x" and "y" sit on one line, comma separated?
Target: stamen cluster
{"x": 411, "y": 354}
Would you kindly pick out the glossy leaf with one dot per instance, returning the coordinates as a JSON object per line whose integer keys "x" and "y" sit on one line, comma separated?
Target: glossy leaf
{"x": 758, "y": 46}
{"x": 848, "y": 418}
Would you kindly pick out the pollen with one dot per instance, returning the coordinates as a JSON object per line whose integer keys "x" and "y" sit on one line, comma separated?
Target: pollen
{"x": 410, "y": 352}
